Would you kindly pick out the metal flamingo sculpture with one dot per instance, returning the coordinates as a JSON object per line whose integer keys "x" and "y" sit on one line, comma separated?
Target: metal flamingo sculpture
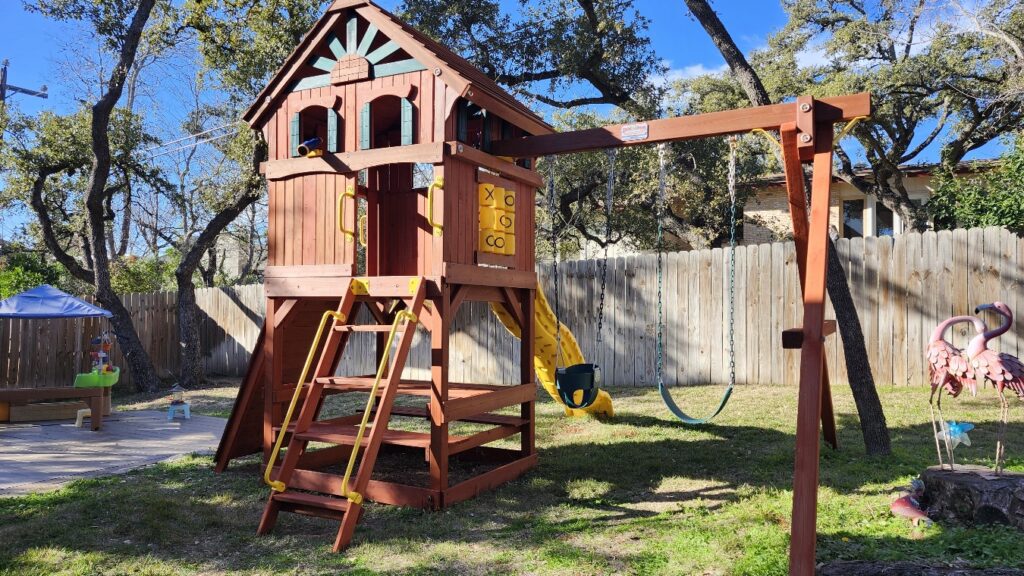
{"x": 1001, "y": 369}
{"x": 949, "y": 370}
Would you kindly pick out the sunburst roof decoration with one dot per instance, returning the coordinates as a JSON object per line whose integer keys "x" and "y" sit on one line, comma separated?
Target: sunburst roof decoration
{"x": 357, "y": 52}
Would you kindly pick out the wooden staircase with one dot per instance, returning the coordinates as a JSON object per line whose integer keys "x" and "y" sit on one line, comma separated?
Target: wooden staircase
{"x": 396, "y": 304}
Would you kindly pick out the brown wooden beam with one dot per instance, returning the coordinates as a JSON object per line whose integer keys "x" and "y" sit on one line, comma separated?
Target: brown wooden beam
{"x": 793, "y": 338}
{"x": 791, "y": 157}
{"x": 352, "y": 162}
{"x": 32, "y": 394}
{"x": 806, "y": 465}
{"x": 826, "y": 110}
{"x": 458, "y": 408}
{"x": 468, "y": 274}
{"x": 488, "y": 480}
{"x": 507, "y": 169}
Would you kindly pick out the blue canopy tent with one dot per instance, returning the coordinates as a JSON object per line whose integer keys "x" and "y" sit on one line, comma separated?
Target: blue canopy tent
{"x": 47, "y": 302}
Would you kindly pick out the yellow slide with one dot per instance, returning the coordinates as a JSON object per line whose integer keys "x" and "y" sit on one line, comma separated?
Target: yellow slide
{"x": 544, "y": 350}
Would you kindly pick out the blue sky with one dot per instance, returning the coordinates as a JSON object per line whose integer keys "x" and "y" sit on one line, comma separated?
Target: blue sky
{"x": 33, "y": 45}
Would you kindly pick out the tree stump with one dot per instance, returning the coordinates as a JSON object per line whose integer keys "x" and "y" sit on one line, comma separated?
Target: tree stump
{"x": 972, "y": 495}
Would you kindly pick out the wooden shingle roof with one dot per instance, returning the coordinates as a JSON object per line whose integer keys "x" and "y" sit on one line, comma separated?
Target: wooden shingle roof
{"x": 455, "y": 71}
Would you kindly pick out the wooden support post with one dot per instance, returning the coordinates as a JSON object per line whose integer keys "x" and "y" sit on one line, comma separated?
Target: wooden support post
{"x": 798, "y": 213}
{"x": 439, "y": 338}
{"x": 527, "y": 410}
{"x": 805, "y": 473}
{"x": 272, "y": 372}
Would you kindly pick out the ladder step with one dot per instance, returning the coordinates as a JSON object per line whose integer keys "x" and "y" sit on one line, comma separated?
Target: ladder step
{"x": 366, "y": 328}
{"x": 346, "y": 435}
{"x": 311, "y": 504}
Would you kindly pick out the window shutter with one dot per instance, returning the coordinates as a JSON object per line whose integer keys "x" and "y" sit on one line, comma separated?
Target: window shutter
{"x": 406, "y": 122}
{"x": 364, "y": 127}
{"x": 295, "y": 135}
{"x": 332, "y": 130}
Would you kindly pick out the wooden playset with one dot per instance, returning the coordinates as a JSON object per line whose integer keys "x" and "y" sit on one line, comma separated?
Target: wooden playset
{"x": 367, "y": 99}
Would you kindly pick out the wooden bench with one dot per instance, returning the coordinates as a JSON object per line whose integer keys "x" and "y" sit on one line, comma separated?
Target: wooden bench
{"x": 94, "y": 396}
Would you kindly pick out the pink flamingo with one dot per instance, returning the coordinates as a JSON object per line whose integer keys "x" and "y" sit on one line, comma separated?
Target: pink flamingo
{"x": 1001, "y": 369}
{"x": 950, "y": 371}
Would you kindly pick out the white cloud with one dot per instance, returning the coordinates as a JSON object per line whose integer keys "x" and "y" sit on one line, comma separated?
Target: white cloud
{"x": 812, "y": 56}
{"x": 686, "y": 72}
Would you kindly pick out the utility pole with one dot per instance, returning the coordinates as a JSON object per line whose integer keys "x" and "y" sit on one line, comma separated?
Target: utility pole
{"x": 5, "y": 87}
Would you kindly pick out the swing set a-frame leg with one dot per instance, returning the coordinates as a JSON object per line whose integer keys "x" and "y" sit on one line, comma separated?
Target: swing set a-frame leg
{"x": 812, "y": 361}
{"x": 798, "y": 212}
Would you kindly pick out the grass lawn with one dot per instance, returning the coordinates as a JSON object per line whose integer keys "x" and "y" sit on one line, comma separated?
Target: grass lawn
{"x": 636, "y": 495}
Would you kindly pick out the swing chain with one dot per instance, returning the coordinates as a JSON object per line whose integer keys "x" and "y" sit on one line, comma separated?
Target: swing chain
{"x": 659, "y": 214}
{"x": 554, "y": 257}
{"x": 612, "y": 152}
{"x": 732, "y": 260}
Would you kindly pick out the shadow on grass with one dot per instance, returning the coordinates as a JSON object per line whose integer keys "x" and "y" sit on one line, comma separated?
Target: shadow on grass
{"x": 645, "y": 475}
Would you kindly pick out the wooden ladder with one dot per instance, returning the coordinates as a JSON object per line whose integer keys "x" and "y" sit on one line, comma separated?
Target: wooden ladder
{"x": 384, "y": 296}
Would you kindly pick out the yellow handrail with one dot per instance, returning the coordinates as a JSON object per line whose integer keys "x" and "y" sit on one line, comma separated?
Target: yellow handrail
{"x": 277, "y": 485}
{"x": 355, "y": 497}
{"x": 361, "y": 227}
{"x": 350, "y": 192}
{"x": 438, "y": 228}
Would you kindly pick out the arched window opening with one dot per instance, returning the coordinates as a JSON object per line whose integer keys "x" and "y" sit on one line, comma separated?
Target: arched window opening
{"x": 386, "y": 122}
{"x": 315, "y": 122}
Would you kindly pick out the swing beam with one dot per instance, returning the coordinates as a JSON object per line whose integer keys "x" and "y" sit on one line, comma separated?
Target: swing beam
{"x": 806, "y": 127}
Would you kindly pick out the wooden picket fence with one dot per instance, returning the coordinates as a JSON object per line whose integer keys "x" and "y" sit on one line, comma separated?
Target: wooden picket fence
{"x": 902, "y": 287}
{"x": 42, "y": 353}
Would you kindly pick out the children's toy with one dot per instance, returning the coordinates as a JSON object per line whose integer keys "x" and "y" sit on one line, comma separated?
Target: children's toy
{"x": 103, "y": 374}
{"x": 178, "y": 404}
{"x": 384, "y": 97}
{"x": 908, "y": 505}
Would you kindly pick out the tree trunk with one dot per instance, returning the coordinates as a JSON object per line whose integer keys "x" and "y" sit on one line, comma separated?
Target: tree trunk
{"x": 869, "y": 407}
{"x": 144, "y": 376}
{"x": 191, "y": 374}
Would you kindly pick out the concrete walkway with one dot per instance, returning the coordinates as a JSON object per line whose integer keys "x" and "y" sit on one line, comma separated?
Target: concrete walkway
{"x": 41, "y": 457}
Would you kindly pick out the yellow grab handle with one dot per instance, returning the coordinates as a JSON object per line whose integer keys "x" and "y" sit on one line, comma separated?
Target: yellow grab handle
{"x": 277, "y": 485}
{"x": 352, "y": 496}
{"x": 361, "y": 226}
{"x": 438, "y": 228}
{"x": 350, "y": 192}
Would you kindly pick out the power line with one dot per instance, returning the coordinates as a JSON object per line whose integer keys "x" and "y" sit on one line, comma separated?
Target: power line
{"x": 193, "y": 144}
{"x": 183, "y": 138}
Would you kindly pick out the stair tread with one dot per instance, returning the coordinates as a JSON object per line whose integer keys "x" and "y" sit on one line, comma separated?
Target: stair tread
{"x": 312, "y": 500}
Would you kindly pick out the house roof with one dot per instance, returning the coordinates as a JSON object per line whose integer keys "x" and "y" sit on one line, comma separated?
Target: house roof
{"x": 909, "y": 170}
{"x": 455, "y": 71}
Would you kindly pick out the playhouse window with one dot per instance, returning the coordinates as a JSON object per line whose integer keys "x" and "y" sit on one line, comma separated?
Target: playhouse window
{"x": 472, "y": 126}
{"x": 315, "y": 122}
{"x": 386, "y": 122}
